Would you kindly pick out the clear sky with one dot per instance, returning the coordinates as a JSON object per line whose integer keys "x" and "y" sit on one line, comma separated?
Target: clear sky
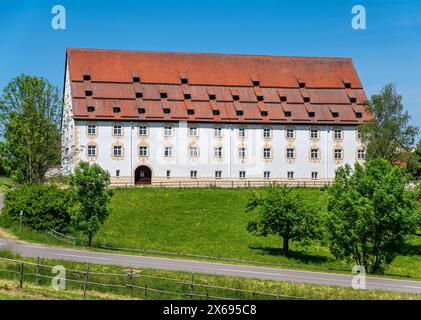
{"x": 388, "y": 51}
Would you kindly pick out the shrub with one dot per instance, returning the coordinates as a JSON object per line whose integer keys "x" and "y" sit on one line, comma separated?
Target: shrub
{"x": 43, "y": 206}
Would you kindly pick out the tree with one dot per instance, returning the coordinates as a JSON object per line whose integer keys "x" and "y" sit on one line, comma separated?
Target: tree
{"x": 413, "y": 163}
{"x": 370, "y": 214}
{"x": 90, "y": 196}
{"x": 30, "y": 112}
{"x": 388, "y": 135}
{"x": 283, "y": 213}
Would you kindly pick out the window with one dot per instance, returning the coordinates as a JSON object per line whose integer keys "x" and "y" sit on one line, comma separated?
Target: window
{"x": 143, "y": 131}
{"x": 283, "y": 98}
{"x": 290, "y": 153}
{"x": 184, "y": 80}
{"x": 347, "y": 85}
{"x": 241, "y": 132}
{"x": 194, "y": 151}
{"x": 353, "y": 100}
{"x": 167, "y": 131}
{"x": 335, "y": 114}
{"x": 91, "y": 151}
{"x": 212, "y": 96}
{"x": 193, "y": 132}
{"x": 240, "y": 113}
{"x": 118, "y": 151}
{"x": 187, "y": 96}
{"x": 136, "y": 79}
{"x": 302, "y": 84}
{"x": 242, "y": 152}
{"x": 139, "y": 94}
{"x": 143, "y": 151}
{"x": 314, "y": 154}
{"x": 360, "y": 154}
{"x": 306, "y": 99}
{"x": 88, "y": 93}
{"x": 216, "y": 112}
{"x": 217, "y": 132}
{"x": 256, "y": 83}
{"x": 358, "y": 114}
{"x": 90, "y": 108}
{"x": 242, "y": 174}
{"x": 117, "y": 130}
{"x": 218, "y": 174}
{"x": 141, "y": 110}
{"x": 264, "y": 113}
{"x": 117, "y": 173}
{"x": 290, "y": 133}
{"x": 193, "y": 174}
{"x": 311, "y": 114}
{"x": 338, "y": 154}
{"x": 167, "y": 110}
{"x": 314, "y": 175}
{"x": 164, "y": 95}
{"x": 267, "y": 153}
{"x": 290, "y": 174}
{"x": 266, "y": 174}
{"x": 314, "y": 133}
{"x": 337, "y": 134}
{"x": 217, "y": 151}
{"x": 86, "y": 77}
{"x": 267, "y": 133}
{"x": 260, "y": 98}
{"x": 359, "y": 135}
{"x": 190, "y": 112}
{"x": 287, "y": 113}
{"x": 91, "y": 129}
{"x": 116, "y": 110}
{"x": 168, "y": 173}
{"x": 168, "y": 152}
{"x": 235, "y": 97}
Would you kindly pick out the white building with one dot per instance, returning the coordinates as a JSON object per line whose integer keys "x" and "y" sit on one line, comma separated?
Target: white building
{"x": 155, "y": 117}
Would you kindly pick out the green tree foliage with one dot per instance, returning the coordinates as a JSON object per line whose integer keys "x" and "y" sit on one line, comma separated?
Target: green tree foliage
{"x": 370, "y": 214}
{"x": 43, "y": 206}
{"x": 388, "y": 136}
{"x": 283, "y": 213}
{"x": 30, "y": 113}
{"x": 4, "y": 160}
{"x": 90, "y": 197}
{"x": 413, "y": 163}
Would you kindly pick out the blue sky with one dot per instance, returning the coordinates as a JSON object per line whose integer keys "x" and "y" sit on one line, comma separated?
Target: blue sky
{"x": 388, "y": 51}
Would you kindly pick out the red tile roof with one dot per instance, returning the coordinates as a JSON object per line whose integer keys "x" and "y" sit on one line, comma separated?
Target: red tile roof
{"x": 246, "y": 88}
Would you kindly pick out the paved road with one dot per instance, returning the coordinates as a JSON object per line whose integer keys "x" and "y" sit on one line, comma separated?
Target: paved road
{"x": 35, "y": 250}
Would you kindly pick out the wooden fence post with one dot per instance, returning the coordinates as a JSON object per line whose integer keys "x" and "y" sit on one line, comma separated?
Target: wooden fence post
{"x": 146, "y": 291}
{"x": 131, "y": 283}
{"x": 21, "y": 276}
{"x": 85, "y": 285}
{"x": 37, "y": 272}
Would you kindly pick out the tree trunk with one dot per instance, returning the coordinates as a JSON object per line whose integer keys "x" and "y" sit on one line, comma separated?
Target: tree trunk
{"x": 286, "y": 246}
{"x": 89, "y": 240}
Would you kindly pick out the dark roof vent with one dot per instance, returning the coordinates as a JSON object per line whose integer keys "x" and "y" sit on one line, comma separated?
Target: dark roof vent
{"x": 358, "y": 114}
{"x": 212, "y": 96}
{"x": 139, "y": 95}
{"x": 264, "y": 113}
{"x": 260, "y": 98}
{"x": 187, "y": 96}
{"x": 256, "y": 83}
{"x": 235, "y": 97}
{"x": 306, "y": 99}
{"x": 335, "y": 114}
{"x": 302, "y": 84}
{"x": 90, "y": 109}
{"x": 164, "y": 95}
{"x": 190, "y": 112}
{"x": 353, "y": 100}
{"x": 240, "y": 113}
{"x": 283, "y": 98}
{"x": 88, "y": 93}
{"x": 136, "y": 79}
{"x": 184, "y": 81}
{"x": 287, "y": 113}
{"x": 141, "y": 110}
{"x": 167, "y": 110}
{"x": 311, "y": 114}
{"x": 116, "y": 110}
{"x": 216, "y": 112}
{"x": 86, "y": 77}
{"x": 347, "y": 85}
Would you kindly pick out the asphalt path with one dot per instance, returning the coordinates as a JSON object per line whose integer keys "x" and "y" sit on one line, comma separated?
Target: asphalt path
{"x": 245, "y": 271}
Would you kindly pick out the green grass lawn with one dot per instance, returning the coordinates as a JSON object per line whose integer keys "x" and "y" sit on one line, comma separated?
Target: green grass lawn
{"x": 212, "y": 222}
{"x": 5, "y": 184}
{"x": 172, "y": 281}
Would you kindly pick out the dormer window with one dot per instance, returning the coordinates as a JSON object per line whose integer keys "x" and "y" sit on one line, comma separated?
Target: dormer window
{"x": 335, "y": 114}
{"x": 86, "y": 77}
{"x": 347, "y": 85}
{"x": 283, "y": 98}
{"x": 136, "y": 79}
{"x": 287, "y": 113}
{"x": 256, "y": 83}
{"x": 358, "y": 115}
{"x": 216, "y": 112}
{"x": 306, "y": 99}
{"x": 260, "y": 98}
{"x": 88, "y": 93}
{"x": 235, "y": 97}
{"x": 190, "y": 112}
{"x": 167, "y": 110}
{"x": 184, "y": 81}
{"x": 353, "y": 100}
{"x": 302, "y": 84}
{"x": 90, "y": 109}
{"x": 164, "y": 95}
{"x": 187, "y": 96}
{"x": 240, "y": 113}
{"x": 139, "y": 95}
{"x": 116, "y": 110}
{"x": 141, "y": 110}
{"x": 212, "y": 96}
{"x": 264, "y": 113}
{"x": 311, "y": 114}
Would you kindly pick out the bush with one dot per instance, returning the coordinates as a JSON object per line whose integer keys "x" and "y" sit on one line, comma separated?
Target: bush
{"x": 43, "y": 206}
